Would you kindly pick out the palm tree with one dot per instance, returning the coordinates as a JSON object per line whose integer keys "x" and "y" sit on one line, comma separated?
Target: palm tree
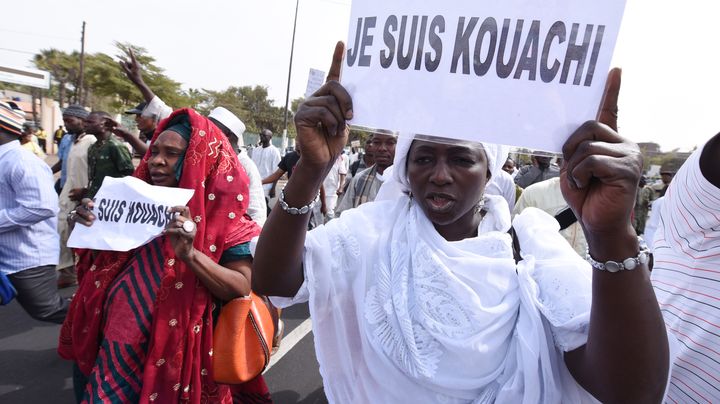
{"x": 63, "y": 67}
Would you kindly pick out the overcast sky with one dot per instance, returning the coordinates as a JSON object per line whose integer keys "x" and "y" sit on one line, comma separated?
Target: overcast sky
{"x": 668, "y": 50}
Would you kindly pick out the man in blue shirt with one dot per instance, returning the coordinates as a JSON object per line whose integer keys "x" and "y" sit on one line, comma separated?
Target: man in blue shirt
{"x": 29, "y": 244}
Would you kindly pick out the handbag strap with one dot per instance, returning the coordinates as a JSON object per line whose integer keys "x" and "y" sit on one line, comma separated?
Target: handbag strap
{"x": 272, "y": 309}
{"x": 515, "y": 245}
{"x": 566, "y": 218}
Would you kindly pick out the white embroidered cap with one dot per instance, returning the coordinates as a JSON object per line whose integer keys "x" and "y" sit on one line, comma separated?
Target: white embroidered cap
{"x": 231, "y": 121}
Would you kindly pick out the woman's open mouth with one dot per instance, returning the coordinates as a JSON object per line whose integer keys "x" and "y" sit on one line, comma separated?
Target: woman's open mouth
{"x": 439, "y": 202}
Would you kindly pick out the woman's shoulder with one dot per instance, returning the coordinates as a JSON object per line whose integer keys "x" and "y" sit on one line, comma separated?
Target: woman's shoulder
{"x": 535, "y": 218}
{"x": 367, "y": 221}
{"x": 373, "y": 212}
{"x": 539, "y": 235}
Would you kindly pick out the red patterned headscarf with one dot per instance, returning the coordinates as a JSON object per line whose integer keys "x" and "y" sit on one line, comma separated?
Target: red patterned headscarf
{"x": 182, "y": 322}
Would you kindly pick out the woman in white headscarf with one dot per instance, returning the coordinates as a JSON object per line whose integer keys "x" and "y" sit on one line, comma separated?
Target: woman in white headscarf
{"x": 418, "y": 299}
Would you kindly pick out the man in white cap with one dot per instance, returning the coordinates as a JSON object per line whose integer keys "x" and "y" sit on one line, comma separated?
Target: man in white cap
{"x": 234, "y": 128}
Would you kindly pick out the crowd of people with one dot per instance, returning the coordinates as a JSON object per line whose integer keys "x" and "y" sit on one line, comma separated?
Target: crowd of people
{"x": 436, "y": 270}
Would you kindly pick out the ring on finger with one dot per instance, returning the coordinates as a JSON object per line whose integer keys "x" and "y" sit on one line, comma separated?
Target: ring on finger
{"x": 188, "y": 226}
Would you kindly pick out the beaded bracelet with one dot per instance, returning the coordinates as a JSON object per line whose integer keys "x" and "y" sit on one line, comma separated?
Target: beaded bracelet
{"x": 629, "y": 264}
{"x": 297, "y": 211}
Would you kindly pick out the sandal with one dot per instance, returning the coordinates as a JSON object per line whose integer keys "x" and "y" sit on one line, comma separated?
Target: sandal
{"x": 278, "y": 336}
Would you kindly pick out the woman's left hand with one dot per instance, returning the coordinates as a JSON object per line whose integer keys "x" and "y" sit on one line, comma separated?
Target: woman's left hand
{"x": 600, "y": 176}
{"x": 180, "y": 238}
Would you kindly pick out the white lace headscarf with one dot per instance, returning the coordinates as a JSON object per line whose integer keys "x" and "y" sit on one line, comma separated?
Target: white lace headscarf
{"x": 396, "y": 180}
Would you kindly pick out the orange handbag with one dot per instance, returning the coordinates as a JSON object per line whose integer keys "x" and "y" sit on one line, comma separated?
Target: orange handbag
{"x": 242, "y": 340}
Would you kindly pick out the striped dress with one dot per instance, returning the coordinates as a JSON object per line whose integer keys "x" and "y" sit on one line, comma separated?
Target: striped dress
{"x": 117, "y": 375}
{"x": 686, "y": 279}
{"x": 128, "y": 316}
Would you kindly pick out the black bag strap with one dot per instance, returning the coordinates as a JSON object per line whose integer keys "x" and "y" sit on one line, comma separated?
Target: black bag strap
{"x": 566, "y": 218}
{"x": 515, "y": 245}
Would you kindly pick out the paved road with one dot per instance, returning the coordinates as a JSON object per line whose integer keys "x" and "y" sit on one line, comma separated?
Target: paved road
{"x": 31, "y": 371}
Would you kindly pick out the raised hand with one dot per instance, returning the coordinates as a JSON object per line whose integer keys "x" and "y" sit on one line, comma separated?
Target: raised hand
{"x": 320, "y": 120}
{"x": 600, "y": 176}
{"x": 132, "y": 68}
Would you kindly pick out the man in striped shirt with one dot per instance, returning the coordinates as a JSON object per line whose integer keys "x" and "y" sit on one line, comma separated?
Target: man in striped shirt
{"x": 29, "y": 243}
{"x": 365, "y": 186}
{"x": 686, "y": 275}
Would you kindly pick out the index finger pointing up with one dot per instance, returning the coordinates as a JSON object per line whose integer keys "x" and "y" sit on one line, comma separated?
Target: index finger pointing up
{"x": 607, "y": 113}
{"x": 336, "y": 65}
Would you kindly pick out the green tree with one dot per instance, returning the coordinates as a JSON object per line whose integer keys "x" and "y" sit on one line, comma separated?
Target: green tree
{"x": 105, "y": 83}
{"x": 163, "y": 86}
{"x": 198, "y": 99}
{"x": 64, "y": 68}
{"x": 295, "y": 104}
{"x": 250, "y": 104}
{"x": 106, "y": 87}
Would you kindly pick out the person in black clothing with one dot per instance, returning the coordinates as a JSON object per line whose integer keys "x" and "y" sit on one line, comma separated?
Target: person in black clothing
{"x": 540, "y": 170}
{"x": 287, "y": 165}
{"x": 365, "y": 160}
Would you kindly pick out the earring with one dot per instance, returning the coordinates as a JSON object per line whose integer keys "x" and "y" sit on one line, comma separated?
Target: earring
{"x": 480, "y": 205}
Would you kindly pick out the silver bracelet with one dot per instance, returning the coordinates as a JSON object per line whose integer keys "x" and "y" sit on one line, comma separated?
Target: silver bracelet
{"x": 629, "y": 264}
{"x": 297, "y": 211}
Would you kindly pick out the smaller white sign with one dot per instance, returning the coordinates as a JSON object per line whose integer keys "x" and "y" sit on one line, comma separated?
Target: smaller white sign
{"x": 316, "y": 79}
{"x": 129, "y": 213}
{"x": 24, "y": 76}
{"x": 654, "y": 171}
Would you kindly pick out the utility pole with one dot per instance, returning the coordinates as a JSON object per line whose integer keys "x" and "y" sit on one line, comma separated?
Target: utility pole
{"x": 33, "y": 94}
{"x": 79, "y": 89}
{"x": 287, "y": 94}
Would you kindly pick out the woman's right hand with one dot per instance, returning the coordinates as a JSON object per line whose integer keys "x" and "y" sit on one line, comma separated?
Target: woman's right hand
{"x": 83, "y": 213}
{"x": 320, "y": 120}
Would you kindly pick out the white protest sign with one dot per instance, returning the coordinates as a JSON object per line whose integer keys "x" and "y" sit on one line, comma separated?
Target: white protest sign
{"x": 516, "y": 72}
{"x": 316, "y": 78}
{"x": 129, "y": 212}
{"x": 654, "y": 171}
